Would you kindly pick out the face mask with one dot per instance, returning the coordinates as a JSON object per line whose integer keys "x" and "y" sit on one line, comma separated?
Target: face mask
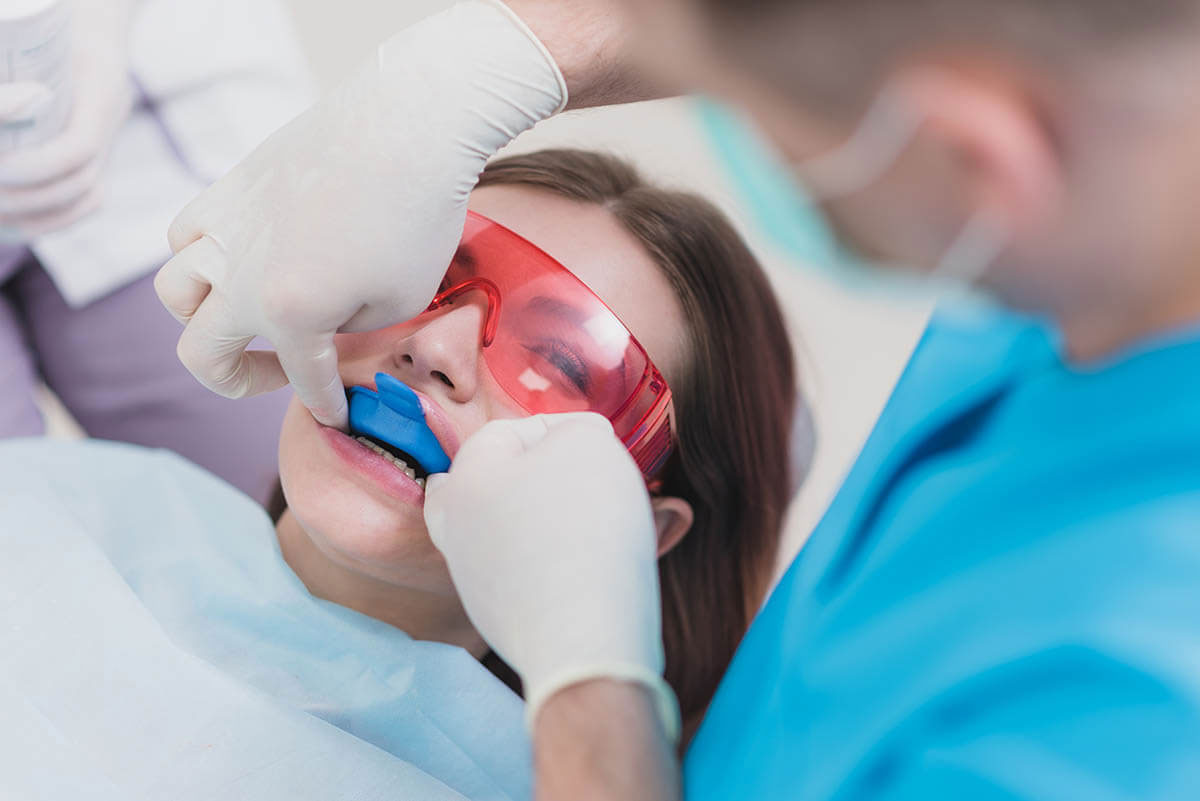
{"x": 791, "y": 215}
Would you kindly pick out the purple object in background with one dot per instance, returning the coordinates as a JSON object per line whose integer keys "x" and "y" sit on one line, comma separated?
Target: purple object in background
{"x": 113, "y": 365}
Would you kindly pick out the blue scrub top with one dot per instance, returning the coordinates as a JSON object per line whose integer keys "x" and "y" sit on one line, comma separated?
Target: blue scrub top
{"x": 1003, "y": 601}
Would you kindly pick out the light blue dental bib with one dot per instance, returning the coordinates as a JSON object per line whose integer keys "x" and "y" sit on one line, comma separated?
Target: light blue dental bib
{"x": 154, "y": 644}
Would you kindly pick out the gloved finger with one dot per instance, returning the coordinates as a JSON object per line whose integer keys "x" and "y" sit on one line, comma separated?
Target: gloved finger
{"x": 311, "y": 365}
{"x": 67, "y": 190}
{"x": 439, "y": 501}
{"x": 500, "y": 441}
{"x": 60, "y": 156}
{"x": 185, "y": 228}
{"x": 492, "y": 449}
{"x": 31, "y": 226}
{"x": 591, "y": 419}
{"x": 214, "y": 351}
{"x": 21, "y": 101}
{"x": 184, "y": 282}
{"x": 531, "y": 431}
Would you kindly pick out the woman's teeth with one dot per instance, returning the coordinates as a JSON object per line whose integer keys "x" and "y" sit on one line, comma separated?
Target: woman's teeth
{"x": 400, "y": 464}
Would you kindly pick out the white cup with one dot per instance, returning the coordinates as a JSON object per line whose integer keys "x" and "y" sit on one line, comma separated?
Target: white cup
{"x": 35, "y": 47}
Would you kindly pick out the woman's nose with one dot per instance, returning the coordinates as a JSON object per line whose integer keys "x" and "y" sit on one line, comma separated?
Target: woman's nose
{"x": 442, "y": 356}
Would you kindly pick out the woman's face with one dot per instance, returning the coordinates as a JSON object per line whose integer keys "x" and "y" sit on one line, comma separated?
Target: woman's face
{"x": 360, "y": 511}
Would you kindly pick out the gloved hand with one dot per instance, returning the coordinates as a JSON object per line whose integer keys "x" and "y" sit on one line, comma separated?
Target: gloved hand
{"x": 21, "y": 101}
{"x": 347, "y": 218}
{"x": 47, "y": 186}
{"x": 548, "y": 532}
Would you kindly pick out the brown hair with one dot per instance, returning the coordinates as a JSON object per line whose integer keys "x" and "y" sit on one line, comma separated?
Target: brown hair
{"x": 734, "y": 404}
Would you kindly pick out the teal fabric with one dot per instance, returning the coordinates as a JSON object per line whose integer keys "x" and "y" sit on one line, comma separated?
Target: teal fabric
{"x": 152, "y": 635}
{"x": 776, "y": 203}
{"x": 1002, "y": 602}
{"x": 787, "y": 215}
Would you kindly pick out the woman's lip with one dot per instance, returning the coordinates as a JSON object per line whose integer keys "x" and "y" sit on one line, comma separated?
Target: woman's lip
{"x": 366, "y": 462}
{"x": 439, "y": 424}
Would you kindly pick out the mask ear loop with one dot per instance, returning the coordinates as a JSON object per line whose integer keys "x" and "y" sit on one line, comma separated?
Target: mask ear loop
{"x": 887, "y": 129}
{"x": 972, "y": 253}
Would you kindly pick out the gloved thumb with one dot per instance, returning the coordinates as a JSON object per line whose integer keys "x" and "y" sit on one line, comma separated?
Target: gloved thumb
{"x": 494, "y": 448}
{"x": 434, "y": 482}
{"x": 436, "y": 501}
{"x": 532, "y": 430}
{"x": 22, "y": 101}
{"x": 500, "y": 441}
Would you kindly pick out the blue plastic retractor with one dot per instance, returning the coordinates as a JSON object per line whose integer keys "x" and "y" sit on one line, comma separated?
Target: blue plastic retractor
{"x": 393, "y": 416}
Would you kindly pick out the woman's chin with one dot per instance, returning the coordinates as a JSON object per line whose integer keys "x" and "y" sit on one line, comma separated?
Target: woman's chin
{"x": 347, "y": 514}
{"x": 360, "y": 534}
{"x": 356, "y": 520}
{"x": 377, "y": 550}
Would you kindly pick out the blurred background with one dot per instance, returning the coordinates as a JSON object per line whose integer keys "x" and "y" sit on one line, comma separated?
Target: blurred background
{"x": 852, "y": 348}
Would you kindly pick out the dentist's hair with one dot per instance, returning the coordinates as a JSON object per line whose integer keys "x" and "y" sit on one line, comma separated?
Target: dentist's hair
{"x": 1079, "y": 20}
{"x": 797, "y": 41}
{"x": 734, "y": 402}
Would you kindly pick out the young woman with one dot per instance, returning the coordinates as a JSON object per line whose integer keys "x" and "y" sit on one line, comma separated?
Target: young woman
{"x": 349, "y": 525}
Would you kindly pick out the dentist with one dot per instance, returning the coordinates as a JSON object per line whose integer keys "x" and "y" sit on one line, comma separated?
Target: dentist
{"x": 1001, "y": 603}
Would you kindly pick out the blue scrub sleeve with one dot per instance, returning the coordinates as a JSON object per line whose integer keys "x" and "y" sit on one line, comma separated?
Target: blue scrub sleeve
{"x": 1075, "y": 723}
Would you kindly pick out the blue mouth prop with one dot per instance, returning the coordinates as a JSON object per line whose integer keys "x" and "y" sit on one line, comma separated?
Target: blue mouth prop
{"x": 393, "y": 416}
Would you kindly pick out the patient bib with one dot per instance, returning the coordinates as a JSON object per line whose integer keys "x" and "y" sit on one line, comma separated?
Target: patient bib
{"x": 154, "y": 644}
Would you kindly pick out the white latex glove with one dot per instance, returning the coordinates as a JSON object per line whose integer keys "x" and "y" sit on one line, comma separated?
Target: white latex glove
{"x": 20, "y": 102}
{"x": 47, "y": 186}
{"x": 548, "y": 532}
{"x": 346, "y": 219}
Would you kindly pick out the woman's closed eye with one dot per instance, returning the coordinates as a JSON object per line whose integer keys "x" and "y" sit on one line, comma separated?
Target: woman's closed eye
{"x": 566, "y": 361}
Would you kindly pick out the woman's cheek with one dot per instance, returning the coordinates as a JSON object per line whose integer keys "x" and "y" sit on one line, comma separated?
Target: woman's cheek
{"x": 351, "y": 347}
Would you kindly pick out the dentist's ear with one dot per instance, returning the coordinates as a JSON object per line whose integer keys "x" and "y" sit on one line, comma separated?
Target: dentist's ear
{"x": 673, "y": 518}
{"x": 995, "y": 123}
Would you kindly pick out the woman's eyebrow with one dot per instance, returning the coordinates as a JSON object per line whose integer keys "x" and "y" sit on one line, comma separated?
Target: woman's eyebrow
{"x": 558, "y": 308}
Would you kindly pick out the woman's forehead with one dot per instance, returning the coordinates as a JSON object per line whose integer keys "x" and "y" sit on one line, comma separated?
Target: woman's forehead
{"x": 590, "y": 242}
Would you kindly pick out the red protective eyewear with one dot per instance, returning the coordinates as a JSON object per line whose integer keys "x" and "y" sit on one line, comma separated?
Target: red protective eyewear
{"x": 553, "y": 345}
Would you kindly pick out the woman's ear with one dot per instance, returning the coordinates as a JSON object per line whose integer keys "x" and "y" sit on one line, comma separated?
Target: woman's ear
{"x": 673, "y": 519}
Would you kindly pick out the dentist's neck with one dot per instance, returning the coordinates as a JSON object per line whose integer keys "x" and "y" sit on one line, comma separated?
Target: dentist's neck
{"x": 422, "y": 615}
{"x": 1098, "y": 331}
